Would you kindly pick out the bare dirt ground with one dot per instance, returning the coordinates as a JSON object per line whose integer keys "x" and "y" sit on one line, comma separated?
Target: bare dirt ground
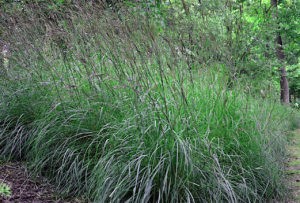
{"x": 293, "y": 169}
{"x": 24, "y": 188}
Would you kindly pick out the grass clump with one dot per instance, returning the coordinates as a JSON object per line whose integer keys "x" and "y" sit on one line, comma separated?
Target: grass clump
{"x": 122, "y": 116}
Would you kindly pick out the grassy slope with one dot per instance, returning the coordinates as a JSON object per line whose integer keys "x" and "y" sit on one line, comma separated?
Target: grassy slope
{"x": 123, "y": 117}
{"x": 115, "y": 153}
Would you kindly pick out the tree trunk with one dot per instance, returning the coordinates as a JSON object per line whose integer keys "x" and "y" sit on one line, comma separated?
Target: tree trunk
{"x": 284, "y": 85}
{"x": 185, "y": 7}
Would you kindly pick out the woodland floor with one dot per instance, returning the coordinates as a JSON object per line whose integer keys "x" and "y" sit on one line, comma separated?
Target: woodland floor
{"x": 293, "y": 168}
{"x": 26, "y": 189}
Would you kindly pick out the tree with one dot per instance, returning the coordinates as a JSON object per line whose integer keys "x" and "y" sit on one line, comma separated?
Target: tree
{"x": 284, "y": 85}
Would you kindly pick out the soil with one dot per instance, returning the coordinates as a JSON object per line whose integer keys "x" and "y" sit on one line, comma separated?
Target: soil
{"x": 24, "y": 188}
{"x": 293, "y": 169}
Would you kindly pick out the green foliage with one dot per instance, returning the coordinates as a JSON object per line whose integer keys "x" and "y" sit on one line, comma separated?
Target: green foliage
{"x": 134, "y": 107}
{"x": 5, "y": 190}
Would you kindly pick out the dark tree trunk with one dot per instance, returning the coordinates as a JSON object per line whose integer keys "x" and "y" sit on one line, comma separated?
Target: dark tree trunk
{"x": 284, "y": 85}
{"x": 185, "y": 7}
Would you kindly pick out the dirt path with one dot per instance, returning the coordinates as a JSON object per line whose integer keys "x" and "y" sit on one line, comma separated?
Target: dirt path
{"x": 24, "y": 189}
{"x": 293, "y": 169}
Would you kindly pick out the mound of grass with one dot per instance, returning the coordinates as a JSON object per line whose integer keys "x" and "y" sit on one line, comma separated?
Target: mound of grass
{"x": 124, "y": 117}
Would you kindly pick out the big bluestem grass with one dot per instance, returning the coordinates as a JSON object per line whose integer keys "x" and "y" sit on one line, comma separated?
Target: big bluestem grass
{"x": 114, "y": 111}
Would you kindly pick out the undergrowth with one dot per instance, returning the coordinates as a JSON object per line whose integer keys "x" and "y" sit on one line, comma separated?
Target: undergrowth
{"x": 117, "y": 111}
